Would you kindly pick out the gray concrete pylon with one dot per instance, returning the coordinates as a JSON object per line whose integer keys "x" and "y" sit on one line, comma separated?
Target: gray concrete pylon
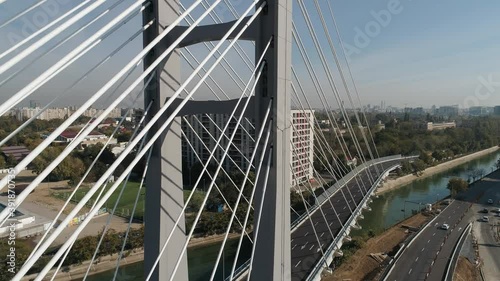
{"x": 272, "y": 253}
{"x": 164, "y": 189}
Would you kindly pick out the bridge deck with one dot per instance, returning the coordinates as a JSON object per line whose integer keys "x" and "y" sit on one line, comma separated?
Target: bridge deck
{"x": 306, "y": 252}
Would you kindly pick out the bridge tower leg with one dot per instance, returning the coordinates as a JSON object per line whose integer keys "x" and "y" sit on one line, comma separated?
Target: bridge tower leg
{"x": 272, "y": 254}
{"x": 164, "y": 189}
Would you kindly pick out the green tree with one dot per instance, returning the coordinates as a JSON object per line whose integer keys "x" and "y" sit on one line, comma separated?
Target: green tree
{"x": 418, "y": 167}
{"x": 424, "y": 156}
{"x": 10, "y": 160}
{"x": 70, "y": 168}
{"x": 456, "y": 186}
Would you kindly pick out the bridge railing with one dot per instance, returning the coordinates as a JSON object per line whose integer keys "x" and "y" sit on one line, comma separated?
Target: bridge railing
{"x": 241, "y": 270}
{"x": 322, "y": 198}
{"x": 319, "y": 266}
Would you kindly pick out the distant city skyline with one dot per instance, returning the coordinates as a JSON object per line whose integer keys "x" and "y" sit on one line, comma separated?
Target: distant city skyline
{"x": 408, "y": 53}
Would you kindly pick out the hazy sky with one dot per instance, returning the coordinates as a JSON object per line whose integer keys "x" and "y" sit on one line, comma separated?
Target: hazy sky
{"x": 413, "y": 53}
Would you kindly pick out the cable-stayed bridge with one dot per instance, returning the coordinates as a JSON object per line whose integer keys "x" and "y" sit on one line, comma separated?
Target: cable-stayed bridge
{"x": 218, "y": 80}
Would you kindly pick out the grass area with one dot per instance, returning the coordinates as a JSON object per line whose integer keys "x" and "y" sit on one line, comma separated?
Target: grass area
{"x": 126, "y": 203}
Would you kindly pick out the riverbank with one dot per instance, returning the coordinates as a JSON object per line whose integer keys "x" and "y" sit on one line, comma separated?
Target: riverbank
{"x": 365, "y": 262}
{"x": 392, "y": 184}
{"x": 77, "y": 272}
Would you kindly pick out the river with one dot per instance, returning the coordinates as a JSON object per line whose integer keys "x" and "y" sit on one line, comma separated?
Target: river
{"x": 387, "y": 210}
{"x": 391, "y": 207}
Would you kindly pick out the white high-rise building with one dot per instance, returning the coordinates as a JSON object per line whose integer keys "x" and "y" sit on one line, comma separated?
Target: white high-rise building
{"x": 302, "y": 146}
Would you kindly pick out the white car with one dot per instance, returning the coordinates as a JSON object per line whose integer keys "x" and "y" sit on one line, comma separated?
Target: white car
{"x": 485, "y": 219}
{"x": 445, "y": 226}
{"x": 490, "y": 201}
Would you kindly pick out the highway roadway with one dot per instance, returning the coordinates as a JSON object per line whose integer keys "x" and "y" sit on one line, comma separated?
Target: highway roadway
{"x": 428, "y": 254}
{"x": 306, "y": 250}
{"x": 489, "y": 247}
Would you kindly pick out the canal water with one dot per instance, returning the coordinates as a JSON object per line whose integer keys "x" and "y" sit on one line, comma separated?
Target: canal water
{"x": 391, "y": 207}
{"x": 387, "y": 210}
{"x": 201, "y": 261}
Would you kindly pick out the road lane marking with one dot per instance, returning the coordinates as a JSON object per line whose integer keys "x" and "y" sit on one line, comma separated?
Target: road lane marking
{"x": 298, "y": 263}
{"x": 416, "y": 259}
{"x": 312, "y": 246}
{"x": 322, "y": 234}
{"x": 344, "y": 208}
{"x": 306, "y": 233}
{"x": 316, "y": 223}
{"x": 423, "y": 249}
{"x": 410, "y": 271}
{"x": 302, "y": 248}
{"x": 434, "y": 234}
{"x": 428, "y": 241}
{"x": 294, "y": 246}
{"x": 331, "y": 224}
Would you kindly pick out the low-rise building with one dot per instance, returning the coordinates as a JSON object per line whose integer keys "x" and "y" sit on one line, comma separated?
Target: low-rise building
{"x": 440, "y": 126}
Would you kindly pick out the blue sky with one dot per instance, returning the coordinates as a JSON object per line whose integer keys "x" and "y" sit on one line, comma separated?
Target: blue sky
{"x": 428, "y": 53}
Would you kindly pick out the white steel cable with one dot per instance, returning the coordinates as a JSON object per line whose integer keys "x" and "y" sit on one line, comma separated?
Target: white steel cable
{"x": 184, "y": 248}
{"x": 35, "y": 46}
{"x": 110, "y": 216}
{"x": 22, "y": 13}
{"x": 216, "y": 186}
{"x": 69, "y": 58}
{"x": 69, "y": 249}
{"x": 258, "y": 170}
{"x": 207, "y": 148}
{"x": 344, "y": 82}
{"x": 216, "y": 84}
{"x": 339, "y": 164}
{"x": 87, "y": 128}
{"x": 257, "y": 12}
{"x": 350, "y": 73}
{"x": 320, "y": 92}
{"x": 25, "y": 268}
{"x": 64, "y": 92}
{"x": 106, "y": 87}
{"x": 245, "y": 58}
{"x": 120, "y": 254}
{"x": 223, "y": 65}
{"x": 56, "y": 21}
{"x": 294, "y": 152}
{"x": 331, "y": 81}
{"x": 90, "y": 168}
{"x": 57, "y": 45}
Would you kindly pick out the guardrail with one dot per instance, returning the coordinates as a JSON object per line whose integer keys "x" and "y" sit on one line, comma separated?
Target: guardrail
{"x": 240, "y": 271}
{"x": 322, "y": 198}
{"x": 403, "y": 249}
{"x": 452, "y": 263}
{"x": 330, "y": 251}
